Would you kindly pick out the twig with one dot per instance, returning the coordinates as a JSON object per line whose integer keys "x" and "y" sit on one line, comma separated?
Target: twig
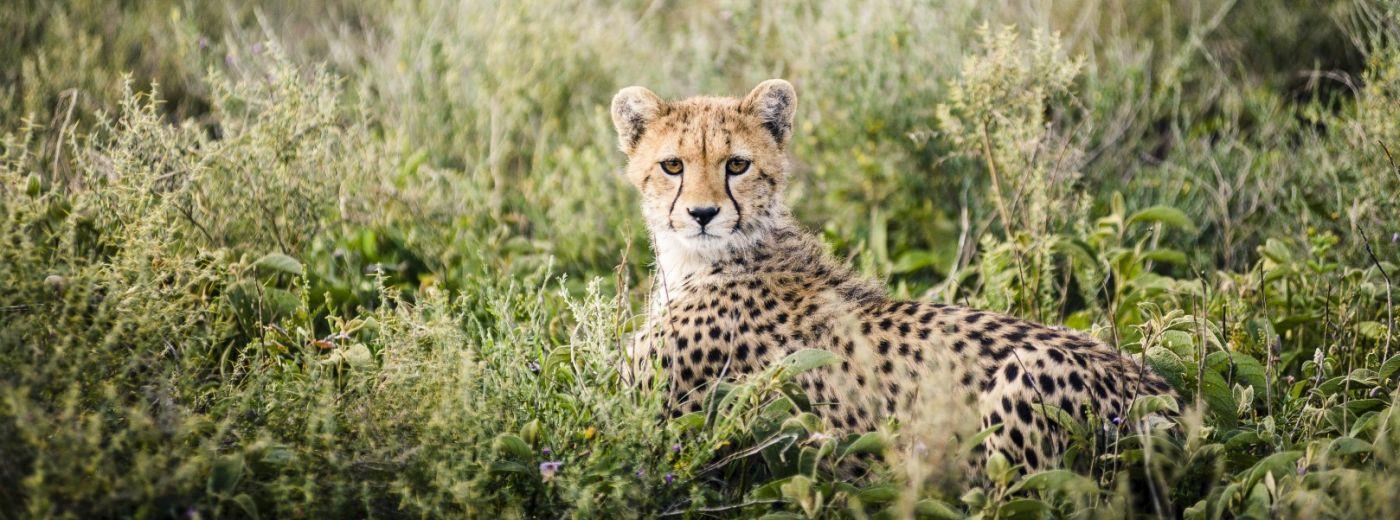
{"x": 58, "y": 143}
{"x": 1389, "y": 304}
{"x": 1393, "y": 168}
{"x": 996, "y": 184}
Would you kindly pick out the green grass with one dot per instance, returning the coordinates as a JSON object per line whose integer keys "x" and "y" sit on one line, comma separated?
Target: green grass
{"x": 375, "y": 258}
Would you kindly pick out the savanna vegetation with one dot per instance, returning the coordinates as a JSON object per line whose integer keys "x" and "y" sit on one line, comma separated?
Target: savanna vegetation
{"x": 322, "y": 259}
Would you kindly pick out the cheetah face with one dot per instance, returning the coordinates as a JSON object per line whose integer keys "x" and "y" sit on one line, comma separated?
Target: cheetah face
{"x": 710, "y": 170}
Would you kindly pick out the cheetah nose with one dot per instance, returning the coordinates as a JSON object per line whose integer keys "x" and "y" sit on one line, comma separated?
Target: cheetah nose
{"x": 703, "y": 215}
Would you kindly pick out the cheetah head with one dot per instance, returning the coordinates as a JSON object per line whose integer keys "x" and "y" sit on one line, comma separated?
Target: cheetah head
{"x": 710, "y": 169}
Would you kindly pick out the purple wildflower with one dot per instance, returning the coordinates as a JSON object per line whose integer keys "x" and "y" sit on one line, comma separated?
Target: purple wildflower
{"x": 546, "y": 451}
{"x": 669, "y": 478}
{"x": 257, "y": 48}
{"x": 203, "y": 42}
{"x": 548, "y": 469}
{"x": 228, "y": 59}
{"x": 534, "y": 366}
{"x": 676, "y": 448}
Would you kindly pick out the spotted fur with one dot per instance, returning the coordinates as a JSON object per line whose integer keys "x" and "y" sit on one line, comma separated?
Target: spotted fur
{"x": 747, "y": 286}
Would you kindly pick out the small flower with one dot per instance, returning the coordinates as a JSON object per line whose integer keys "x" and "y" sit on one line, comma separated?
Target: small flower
{"x": 203, "y": 42}
{"x": 548, "y": 469}
{"x": 641, "y": 473}
{"x": 228, "y": 59}
{"x": 1302, "y": 468}
{"x": 534, "y": 366}
{"x": 257, "y": 48}
{"x": 546, "y": 451}
{"x": 676, "y": 448}
{"x": 669, "y": 478}
{"x": 1395, "y": 238}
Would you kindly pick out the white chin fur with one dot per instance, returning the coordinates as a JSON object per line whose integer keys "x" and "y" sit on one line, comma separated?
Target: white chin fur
{"x": 681, "y": 253}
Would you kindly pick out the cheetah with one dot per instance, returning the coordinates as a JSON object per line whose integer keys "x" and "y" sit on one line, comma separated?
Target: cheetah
{"x": 740, "y": 285}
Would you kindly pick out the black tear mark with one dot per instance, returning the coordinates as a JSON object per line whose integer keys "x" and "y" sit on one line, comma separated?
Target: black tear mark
{"x": 669, "y": 222}
{"x": 738, "y": 210}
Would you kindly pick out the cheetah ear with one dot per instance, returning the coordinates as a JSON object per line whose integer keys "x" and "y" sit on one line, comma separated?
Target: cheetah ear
{"x": 773, "y": 101}
{"x": 633, "y": 108}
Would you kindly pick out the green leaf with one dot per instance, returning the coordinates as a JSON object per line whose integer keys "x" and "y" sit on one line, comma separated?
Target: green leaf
{"x": 914, "y": 260}
{"x": 280, "y": 263}
{"x": 1358, "y": 406}
{"x": 1274, "y": 250}
{"x": 512, "y": 446}
{"x": 1246, "y": 369}
{"x": 357, "y": 356}
{"x": 1348, "y": 446}
{"x": 1389, "y": 368}
{"x": 1372, "y": 329}
{"x": 1278, "y": 464}
{"x": 770, "y": 491}
{"x": 245, "y": 503}
{"x": 1167, "y": 364}
{"x": 980, "y": 437}
{"x": 1170, "y": 256}
{"x": 808, "y": 359}
{"x": 1164, "y": 214}
{"x": 1057, "y": 480}
{"x": 1218, "y": 398}
{"x": 975, "y": 497}
{"x": 688, "y": 422}
{"x": 1180, "y": 342}
{"x": 1023, "y": 508}
{"x": 797, "y": 489}
{"x": 558, "y": 365}
{"x": 1147, "y": 405}
{"x": 225, "y": 474}
{"x": 873, "y": 442}
{"x": 1061, "y": 417}
{"x": 999, "y": 468}
{"x": 936, "y": 509}
{"x": 878, "y": 494}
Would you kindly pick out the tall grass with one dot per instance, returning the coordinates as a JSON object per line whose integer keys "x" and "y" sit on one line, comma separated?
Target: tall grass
{"x": 375, "y": 258}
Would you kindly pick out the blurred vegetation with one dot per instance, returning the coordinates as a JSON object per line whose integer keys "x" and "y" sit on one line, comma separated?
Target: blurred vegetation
{"x": 374, "y": 258}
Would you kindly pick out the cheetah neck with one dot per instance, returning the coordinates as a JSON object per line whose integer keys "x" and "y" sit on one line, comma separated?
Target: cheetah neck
{"x": 779, "y": 246}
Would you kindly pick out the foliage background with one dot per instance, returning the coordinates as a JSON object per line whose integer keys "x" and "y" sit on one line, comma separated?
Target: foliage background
{"x": 374, "y": 258}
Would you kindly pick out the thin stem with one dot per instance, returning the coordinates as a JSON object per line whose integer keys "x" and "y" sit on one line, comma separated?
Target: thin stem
{"x": 996, "y": 182}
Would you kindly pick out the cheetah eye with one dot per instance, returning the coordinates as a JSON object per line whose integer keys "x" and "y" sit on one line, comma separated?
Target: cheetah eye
{"x": 737, "y": 166}
{"x": 672, "y": 166}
